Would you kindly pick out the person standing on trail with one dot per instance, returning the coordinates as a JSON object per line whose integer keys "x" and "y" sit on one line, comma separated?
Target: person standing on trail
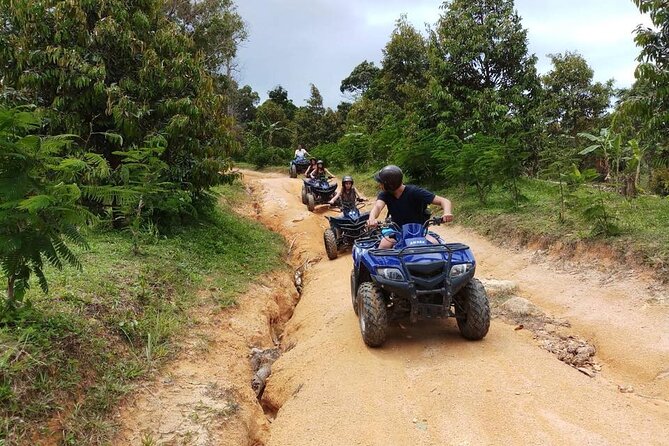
{"x": 348, "y": 194}
{"x": 301, "y": 152}
{"x": 406, "y": 203}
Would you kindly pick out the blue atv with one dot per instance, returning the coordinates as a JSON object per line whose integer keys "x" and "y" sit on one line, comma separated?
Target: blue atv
{"x": 344, "y": 230}
{"x": 415, "y": 279}
{"x": 317, "y": 191}
{"x": 298, "y": 166}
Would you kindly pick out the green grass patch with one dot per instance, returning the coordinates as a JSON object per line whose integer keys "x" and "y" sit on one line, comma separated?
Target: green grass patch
{"x": 643, "y": 222}
{"x": 77, "y": 350}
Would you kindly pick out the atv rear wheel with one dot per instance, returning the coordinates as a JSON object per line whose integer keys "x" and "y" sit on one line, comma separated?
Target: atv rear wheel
{"x": 311, "y": 202}
{"x": 472, "y": 311}
{"x": 372, "y": 314}
{"x": 304, "y": 194}
{"x": 293, "y": 171}
{"x": 330, "y": 241}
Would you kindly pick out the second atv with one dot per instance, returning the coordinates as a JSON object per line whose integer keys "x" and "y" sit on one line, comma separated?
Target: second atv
{"x": 345, "y": 229}
{"x": 317, "y": 191}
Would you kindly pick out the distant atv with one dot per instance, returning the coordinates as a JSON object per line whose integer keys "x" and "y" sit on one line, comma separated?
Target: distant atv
{"x": 317, "y": 191}
{"x": 417, "y": 280}
{"x": 298, "y": 166}
{"x": 344, "y": 230}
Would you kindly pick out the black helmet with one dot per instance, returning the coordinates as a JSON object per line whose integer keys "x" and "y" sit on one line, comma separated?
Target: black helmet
{"x": 312, "y": 159}
{"x": 391, "y": 177}
{"x": 346, "y": 178}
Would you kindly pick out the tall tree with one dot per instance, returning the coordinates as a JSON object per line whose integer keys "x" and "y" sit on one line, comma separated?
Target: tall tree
{"x": 360, "y": 79}
{"x": 484, "y": 80}
{"x": 100, "y": 67}
{"x": 311, "y": 123}
{"x": 653, "y": 70}
{"x": 572, "y": 102}
{"x": 404, "y": 65}
{"x": 216, "y": 28}
{"x": 279, "y": 96}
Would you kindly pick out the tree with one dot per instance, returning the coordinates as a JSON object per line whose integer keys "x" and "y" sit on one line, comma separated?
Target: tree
{"x": 280, "y": 97}
{"x": 651, "y": 101}
{"x": 215, "y": 26}
{"x": 41, "y": 212}
{"x": 484, "y": 80}
{"x": 572, "y": 102}
{"x": 100, "y": 68}
{"x": 654, "y": 58}
{"x": 245, "y": 101}
{"x": 310, "y": 121}
{"x": 360, "y": 79}
{"x": 404, "y": 65}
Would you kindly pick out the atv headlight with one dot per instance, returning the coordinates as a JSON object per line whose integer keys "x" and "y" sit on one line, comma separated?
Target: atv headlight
{"x": 390, "y": 273}
{"x": 459, "y": 270}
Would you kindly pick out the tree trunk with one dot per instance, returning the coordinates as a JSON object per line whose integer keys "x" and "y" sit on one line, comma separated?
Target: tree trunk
{"x": 10, "y": 292}
{"x": 628, "y": 187}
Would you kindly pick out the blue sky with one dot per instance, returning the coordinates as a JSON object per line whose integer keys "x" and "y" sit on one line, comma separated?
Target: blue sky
{"x": 297, "y": 42}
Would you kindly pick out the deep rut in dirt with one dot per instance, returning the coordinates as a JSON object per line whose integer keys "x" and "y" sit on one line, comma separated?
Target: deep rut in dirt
{"x": 429, "y": 386}
{"x": 209, "y": 395}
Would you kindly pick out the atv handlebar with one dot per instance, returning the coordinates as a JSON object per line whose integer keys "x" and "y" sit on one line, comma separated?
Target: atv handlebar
{"x": 429, "y": 222}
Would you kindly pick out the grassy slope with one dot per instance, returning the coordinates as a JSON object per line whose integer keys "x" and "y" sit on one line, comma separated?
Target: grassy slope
{"x": 77, "y": 350}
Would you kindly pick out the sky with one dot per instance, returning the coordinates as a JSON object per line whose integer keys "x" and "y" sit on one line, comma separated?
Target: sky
{"x": 294, "y": 43}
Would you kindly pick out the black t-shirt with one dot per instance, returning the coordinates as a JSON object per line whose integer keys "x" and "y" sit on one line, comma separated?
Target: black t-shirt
{"x": 410, "y": 207}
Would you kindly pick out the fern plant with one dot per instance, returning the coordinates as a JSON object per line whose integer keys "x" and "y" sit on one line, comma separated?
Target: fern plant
{"x": 40, "y": 214}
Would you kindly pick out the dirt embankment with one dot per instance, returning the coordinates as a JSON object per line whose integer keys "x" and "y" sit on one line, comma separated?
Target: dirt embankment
{"x": 572, "y": 357}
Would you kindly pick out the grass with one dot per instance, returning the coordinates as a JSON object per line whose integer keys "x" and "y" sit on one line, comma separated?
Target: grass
{"x": 643, "y": 222}
{"x": 75, "y": 352}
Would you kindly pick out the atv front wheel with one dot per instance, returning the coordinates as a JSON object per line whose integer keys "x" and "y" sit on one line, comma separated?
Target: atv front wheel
{"x": 311, "y": 202}
{"x": 293, "y": 171}
{"x": 472, "y": 311}
{"x": 354, "y": 294}
{"x": 304, "y": 194}
{"x": 330, "y": 241}
{"x": 372, "y": 314}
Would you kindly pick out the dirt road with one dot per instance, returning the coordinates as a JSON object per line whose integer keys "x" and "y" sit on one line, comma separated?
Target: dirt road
{"x": 429, "y": 386}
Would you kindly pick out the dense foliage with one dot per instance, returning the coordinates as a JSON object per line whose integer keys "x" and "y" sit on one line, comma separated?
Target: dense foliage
{"x": 98, "y": 69}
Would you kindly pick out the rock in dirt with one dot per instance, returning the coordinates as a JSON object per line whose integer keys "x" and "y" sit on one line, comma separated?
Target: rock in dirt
{"x": 625, "y": 389}
{"x": 520, "y": 308}
{"x": 572, "y": 351}
{"x": 499, "y": 288}
{"x": 261, "y": 362}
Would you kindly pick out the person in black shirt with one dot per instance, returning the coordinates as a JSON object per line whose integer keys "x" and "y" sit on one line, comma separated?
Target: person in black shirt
{"x": 406, "y": 203}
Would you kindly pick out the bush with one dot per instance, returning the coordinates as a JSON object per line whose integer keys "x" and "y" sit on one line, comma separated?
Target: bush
{"x": 659, "y": 183}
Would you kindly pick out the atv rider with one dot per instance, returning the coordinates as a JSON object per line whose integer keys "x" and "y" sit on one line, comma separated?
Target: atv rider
{"x": 301, "y": 152}
{"x": 311, "y": 168}
{"x": 406, "y": 203}
{"x": 348, "y": 194}
{"x": 320, "y": 172}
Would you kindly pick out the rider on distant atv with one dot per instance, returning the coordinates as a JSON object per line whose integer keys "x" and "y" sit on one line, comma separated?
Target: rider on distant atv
{"x": 311, "y": 168}
{"x": 406, "y": 203}
{"x": 348, "y": 194}
{"x": 301, "y": 152}
{"x": 321, "y": 172}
